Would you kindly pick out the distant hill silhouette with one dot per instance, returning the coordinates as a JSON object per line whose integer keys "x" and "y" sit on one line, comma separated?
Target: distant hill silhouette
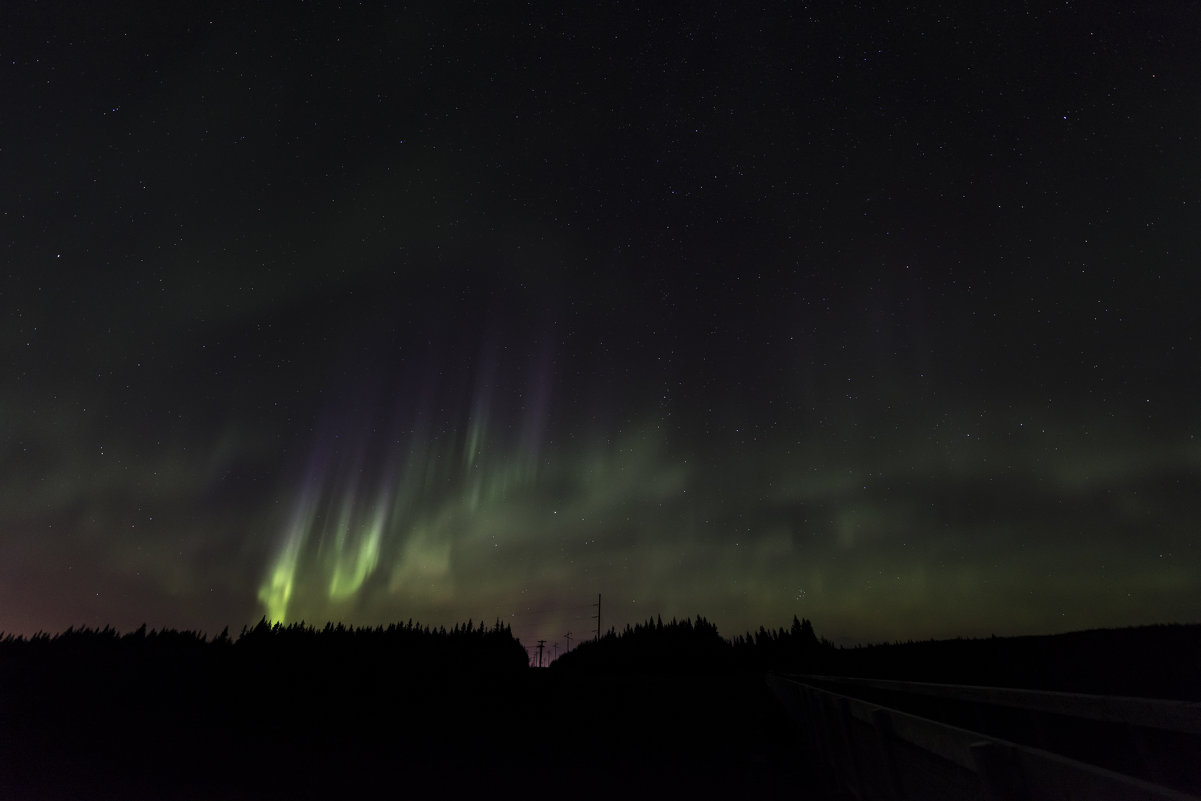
{"x": 678, "y": 647}
{"x": 1149, "y": 661}
{"x": 687, "y": 647}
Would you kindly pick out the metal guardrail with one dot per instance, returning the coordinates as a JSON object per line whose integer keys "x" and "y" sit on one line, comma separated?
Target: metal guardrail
{"x": 1152, "y": 713}
{"x": 878, "y": 752}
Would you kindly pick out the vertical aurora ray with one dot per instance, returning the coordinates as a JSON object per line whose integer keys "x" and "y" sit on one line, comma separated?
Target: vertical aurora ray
{"x": 380, "y": 519}
{"x": 352, "y": 568}
{"x": 477, "y": 431}
{"x": 276, "y": 592}
{"x": 334, "y": 538}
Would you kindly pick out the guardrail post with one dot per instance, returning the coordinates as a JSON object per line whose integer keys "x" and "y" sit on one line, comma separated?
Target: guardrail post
{"x": 846, "y": 755}
{"x": 1000, "y": 772}
{"x": 882, "y": 724}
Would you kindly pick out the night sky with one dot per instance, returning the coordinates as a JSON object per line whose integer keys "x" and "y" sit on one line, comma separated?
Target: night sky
{"x": 883, "y": 318}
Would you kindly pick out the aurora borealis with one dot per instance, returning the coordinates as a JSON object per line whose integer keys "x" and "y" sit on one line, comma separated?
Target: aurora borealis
{"x": 369, "y": 314}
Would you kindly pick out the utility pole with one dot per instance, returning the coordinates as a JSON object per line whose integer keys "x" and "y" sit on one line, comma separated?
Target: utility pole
{"x": 556, "y": 650}
{"x": 597, "y": 616}
{"x": 540, "y": 644}
{"x": 567, "y": 637}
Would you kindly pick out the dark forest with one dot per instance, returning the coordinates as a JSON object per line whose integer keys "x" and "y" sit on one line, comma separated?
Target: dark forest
{"x": 299, "y": 711}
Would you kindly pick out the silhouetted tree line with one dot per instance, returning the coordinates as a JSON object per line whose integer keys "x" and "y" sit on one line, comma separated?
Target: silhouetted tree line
{"x": 685, "y": 646}
{"x": 403, "y": 647}
{"x": 464, "y": 647}
{"x": 793, "y": 650}
{"x": 654, "y": 647}
{"x": 1151, "y": 661}
{"x": 278, "y": 710}
{"x": 272, "y": 689}
{"x": 1154, "y": 661}
{"x": 295, "y": 670}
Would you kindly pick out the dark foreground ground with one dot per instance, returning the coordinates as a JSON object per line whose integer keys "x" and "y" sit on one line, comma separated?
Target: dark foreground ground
{"x": 301, "y": 736}
{"x": 406, "y": 712}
